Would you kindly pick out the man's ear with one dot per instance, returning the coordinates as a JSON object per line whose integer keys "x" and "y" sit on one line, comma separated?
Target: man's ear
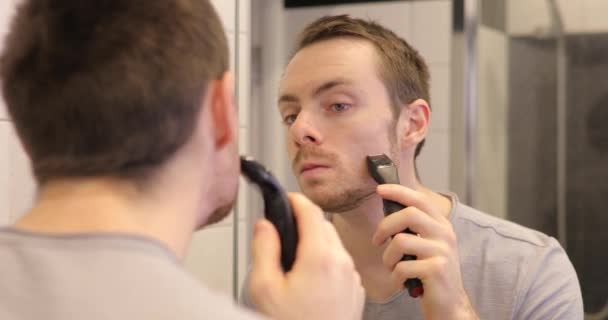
{"x": 413, "y": 124}
{"x": 223, "y": 110}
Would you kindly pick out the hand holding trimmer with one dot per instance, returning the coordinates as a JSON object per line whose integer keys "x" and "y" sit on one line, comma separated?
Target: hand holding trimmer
{"x": 276, "y": 208}
{"x": 384, "y": 171}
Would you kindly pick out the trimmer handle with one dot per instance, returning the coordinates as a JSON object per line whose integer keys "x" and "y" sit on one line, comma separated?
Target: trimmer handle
{"x": 276, "y": 208}
{"x": 383, "y": 170}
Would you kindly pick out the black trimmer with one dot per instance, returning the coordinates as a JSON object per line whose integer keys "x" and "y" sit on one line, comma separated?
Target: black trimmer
{"x": 276, "y": 208}
{"x": 383, "y": 170}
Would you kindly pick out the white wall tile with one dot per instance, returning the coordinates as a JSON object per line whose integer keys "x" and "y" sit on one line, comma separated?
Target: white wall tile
{"x": 245, "y": 233}
{"x": 244, "y": 79}
{"x": 22, "y": 186}
{"x": 595, "y": 18}
{"x": 244, "y": 141}
{"x": 527, "y": 17}
{"x": 431, "y": 29}
{"x": 493, "y": 80}
{"x": 3, "y": 111}
{"x": 440, "y": 97}
{"x": 573, "y": 15}
{"x": 226, "y": 10}
{"x": 231, "y": 42}
{"x": 210, "y": 257}
{"x": 7, "y": 10}
{"x": 432, "y": 163}
{"x": 394, "y": 15}
{"x": 246, "y": 190}
{"x": 533, "y": 17}
{"x": 17, "y": 186}
{"x": 491, "y": 168}
{"x": 296, "y": 20}
{"x": 4, "y": 173}
{"x": 244, "y": 16}
{"x": 242, "y": 75}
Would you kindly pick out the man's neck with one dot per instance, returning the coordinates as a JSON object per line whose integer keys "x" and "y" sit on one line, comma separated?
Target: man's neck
{"x": 80, "y": 206}
{"x": 356, "y": 228}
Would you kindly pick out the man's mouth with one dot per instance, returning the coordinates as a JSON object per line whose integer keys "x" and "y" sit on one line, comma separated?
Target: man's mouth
{"x": 312, "y": 167}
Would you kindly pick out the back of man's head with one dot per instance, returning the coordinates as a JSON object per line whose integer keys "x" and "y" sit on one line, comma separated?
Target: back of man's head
{"x": 109, "y": 87}
{"x": 401, "y": 68}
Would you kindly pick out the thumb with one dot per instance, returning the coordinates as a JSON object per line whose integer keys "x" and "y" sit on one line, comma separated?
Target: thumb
{"x": 266, "y": 274}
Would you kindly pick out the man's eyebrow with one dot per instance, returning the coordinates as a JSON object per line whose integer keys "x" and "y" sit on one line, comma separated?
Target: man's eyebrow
{"x": 319, "y": 90}
{"x": 329, "y": 85}
{"x": 288, "y": 98}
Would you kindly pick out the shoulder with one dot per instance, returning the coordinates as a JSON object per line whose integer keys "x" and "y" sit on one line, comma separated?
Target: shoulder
{"x": 473, "y": 220}
{"x": 508, "y": 246}
{"x": 532, "y": 264}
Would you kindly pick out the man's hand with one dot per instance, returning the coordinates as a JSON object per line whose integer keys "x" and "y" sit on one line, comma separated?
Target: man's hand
{"x": 323, "y": 283}
{"x": 437, "y": 266}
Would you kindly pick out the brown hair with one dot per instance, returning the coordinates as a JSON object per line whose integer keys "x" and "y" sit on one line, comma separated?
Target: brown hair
{"x": 108, "y": 87}
{"x": 402, "y": 69}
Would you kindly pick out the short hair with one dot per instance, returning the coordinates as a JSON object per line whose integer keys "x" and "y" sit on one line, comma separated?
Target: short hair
{"x": 110, "y": 87}
{"x": 402, "y": 69}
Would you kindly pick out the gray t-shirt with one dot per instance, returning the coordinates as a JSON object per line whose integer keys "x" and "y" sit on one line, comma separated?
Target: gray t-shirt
{"x": 508, "y": 271}
{"x": 98, "y": 277}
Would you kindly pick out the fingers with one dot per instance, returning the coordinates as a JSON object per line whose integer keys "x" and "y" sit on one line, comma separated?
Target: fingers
{"x": 314, "y": 230}
{"x": 412, "y": 218}
{"x": 321, "y": 262}
{"x": 410, "y": 244}
{"x": 410, "y": 198}
{"x": 309, "y": 219}
{"x": 266, "y": 271}
{"x": 422, "y": 269}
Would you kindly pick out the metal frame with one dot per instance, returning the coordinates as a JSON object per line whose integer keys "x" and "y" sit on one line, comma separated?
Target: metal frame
{"x": 464, "y": 86}
{"x": 235, "y": 216}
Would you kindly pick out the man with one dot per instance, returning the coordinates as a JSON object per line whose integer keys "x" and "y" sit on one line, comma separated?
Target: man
{"x": 126, "y": 110}
{"x": 354, "y": 88}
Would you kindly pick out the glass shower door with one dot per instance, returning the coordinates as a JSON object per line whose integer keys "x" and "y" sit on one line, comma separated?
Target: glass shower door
{"x": 540, "y": 133}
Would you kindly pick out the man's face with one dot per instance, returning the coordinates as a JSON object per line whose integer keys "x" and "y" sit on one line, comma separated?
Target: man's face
{"x": 337, "y": 111}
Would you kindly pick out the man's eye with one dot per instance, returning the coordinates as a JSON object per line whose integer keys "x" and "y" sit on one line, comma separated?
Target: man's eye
{"x": 339, "y": 107}
{"x": 289, "y": 119}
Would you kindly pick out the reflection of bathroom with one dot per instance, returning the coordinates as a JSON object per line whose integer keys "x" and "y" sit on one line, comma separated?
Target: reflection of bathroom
{"x": 524, "y": 146}
{"x": 533, "y": 202}
{"x": 542, "y": 133}
{"x": 541, "y": 152}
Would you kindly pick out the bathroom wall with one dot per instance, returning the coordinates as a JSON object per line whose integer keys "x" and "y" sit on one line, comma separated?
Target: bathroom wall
{"x": 17, "y": 187}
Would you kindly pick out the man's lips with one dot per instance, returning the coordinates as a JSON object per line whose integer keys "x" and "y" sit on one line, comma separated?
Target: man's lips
{"x": 306, "y": 167}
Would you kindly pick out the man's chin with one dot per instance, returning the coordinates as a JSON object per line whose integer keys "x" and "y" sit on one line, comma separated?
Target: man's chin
{"x": 218, "y": 215}
{"x": 339, "y": 202}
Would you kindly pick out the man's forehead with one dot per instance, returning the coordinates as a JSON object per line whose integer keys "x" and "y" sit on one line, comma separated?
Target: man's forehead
{"x": 340, "y": 60}
{"x": 338, "y": 52}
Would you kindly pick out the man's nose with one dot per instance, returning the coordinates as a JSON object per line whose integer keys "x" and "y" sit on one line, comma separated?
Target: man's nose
{"x": 304, "y": 130}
